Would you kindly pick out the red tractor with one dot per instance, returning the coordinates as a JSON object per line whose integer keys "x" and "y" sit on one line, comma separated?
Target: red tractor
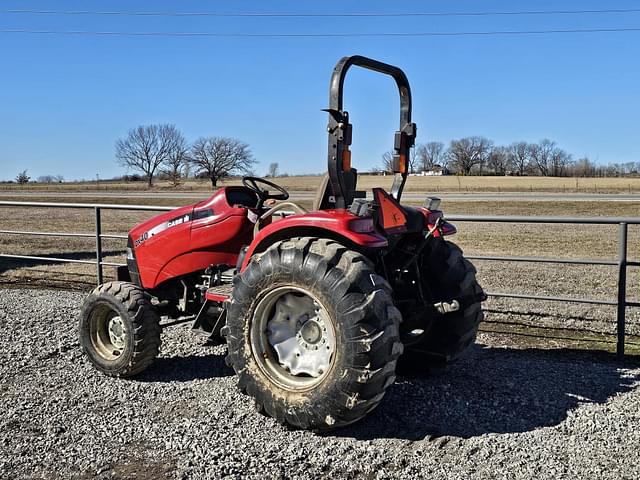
{"x": 316, "y": 308}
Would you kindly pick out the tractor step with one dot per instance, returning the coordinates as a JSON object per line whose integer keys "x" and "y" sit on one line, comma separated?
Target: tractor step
{"x": 219, "y": 293}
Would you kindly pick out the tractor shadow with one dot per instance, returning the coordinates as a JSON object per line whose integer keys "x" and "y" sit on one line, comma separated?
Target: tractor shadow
{"x": 7, "y": 264}
{"x": 38, "y": 273}
{"x": 496, "y": 390}
{"x": 186, "y": 369}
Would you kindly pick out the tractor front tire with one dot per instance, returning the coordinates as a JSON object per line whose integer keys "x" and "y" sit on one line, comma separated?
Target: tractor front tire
{"x": 313, "y": 334}
{"x": 119, "y": 329}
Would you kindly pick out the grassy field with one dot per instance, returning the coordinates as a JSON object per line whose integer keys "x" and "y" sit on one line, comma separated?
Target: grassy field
{"x": 595, "y": 324}
{"x": 366, "y": 182}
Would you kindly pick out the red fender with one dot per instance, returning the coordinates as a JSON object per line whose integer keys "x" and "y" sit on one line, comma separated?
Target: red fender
{"x": 336, "y": 224}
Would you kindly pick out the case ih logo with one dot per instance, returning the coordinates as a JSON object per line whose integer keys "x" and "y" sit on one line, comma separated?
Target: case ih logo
{"x": 161, "y": 227}
{"x": 177, "y": 221}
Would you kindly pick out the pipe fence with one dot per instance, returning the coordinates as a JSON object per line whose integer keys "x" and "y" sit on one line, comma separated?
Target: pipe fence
{"x": 622, "y": 262}
{"x": 98, "y": 235}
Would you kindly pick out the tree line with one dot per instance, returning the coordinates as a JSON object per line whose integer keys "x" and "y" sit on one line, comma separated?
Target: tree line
{"x": 23, "y": 178}
{"x": 154, "y": 149}
{"x": 480, "y": 156}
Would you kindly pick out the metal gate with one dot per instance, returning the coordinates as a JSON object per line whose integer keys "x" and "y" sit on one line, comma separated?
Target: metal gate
{"x": 622, "y": 262}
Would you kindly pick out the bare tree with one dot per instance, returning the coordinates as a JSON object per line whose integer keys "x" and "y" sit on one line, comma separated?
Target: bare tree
{"x": 273, "y": 169}
{"x": 220, "y": 157}
{"x": 498, "y": 160}
{"x": 50, "y": 179}
{"x": 387, "y": 162}
{"x": 147, "y": 147}
{"x": 560, "y": 162}
{"x": 519, "y": 157}
{"x": 176, "y": 163}
{"x": 23, "y": 178}
{"x": 469, "y": 152}
{"x": 541, "y": 155}
{"x": 584, "y": 168}
{"x": 413, "y": 160}
{"x": 549, "y": 158}
{"x": 431, "y": 154}
{"x": 45, "y": 179}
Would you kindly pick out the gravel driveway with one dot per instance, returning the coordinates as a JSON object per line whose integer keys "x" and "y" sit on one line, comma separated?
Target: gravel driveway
{"x": 500, "y": 412}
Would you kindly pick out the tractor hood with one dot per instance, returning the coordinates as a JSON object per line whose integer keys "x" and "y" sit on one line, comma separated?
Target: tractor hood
{"x": 193, "y": 237}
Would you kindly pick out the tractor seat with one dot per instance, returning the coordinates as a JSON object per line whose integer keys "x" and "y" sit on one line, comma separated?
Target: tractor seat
{"x": 324, "y": 198}
{"x": 321, "y": 200}
{"x": 266, "y": 217}
{"x": 415, "y": 219}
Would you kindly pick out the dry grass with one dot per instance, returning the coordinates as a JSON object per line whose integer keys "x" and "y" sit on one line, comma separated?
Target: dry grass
{"x": 590, "y": 241}
{"x": 366, "y": 182}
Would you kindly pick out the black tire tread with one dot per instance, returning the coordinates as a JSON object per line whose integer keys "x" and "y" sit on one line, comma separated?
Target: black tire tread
{"x": 146, "y": 326}
{"x": 365, "y": 305}
{"x": 452, "y": 333}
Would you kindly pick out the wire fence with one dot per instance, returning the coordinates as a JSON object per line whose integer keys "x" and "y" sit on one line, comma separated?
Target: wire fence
{"x": 622, "y": 262}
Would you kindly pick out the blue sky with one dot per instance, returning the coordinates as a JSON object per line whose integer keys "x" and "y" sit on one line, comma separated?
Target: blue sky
{"x": 64, "y": 100}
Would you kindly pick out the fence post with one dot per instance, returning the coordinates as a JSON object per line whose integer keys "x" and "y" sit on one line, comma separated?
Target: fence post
{"x": 622, "y": 288}
{"x": 98, "y": 246}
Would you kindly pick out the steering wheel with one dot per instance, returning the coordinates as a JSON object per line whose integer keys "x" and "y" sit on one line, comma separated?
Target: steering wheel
{"x": 263, "y": 194}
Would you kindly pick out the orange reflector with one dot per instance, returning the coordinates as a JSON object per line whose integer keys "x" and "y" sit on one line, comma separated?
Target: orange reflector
{"x": 402, "y": 164}
{"x": 390, "y": 215}
{"x": 346, "y": 160}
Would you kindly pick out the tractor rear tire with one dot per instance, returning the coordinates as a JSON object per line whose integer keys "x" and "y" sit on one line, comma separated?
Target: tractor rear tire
{"x": 449, "y": 276}
{"x": 119, "y": 329}
{"x": 342, "y": 306}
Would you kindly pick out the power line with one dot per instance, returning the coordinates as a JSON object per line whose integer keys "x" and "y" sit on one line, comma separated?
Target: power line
{"x": 311, "y": 35}
{"x": 313, "y": 15}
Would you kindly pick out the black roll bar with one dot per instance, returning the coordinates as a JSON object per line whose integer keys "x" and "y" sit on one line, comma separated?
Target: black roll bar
{"x": 343, "y": 179}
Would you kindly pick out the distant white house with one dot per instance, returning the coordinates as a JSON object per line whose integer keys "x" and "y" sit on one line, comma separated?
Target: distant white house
{"x": 436, "y": 171}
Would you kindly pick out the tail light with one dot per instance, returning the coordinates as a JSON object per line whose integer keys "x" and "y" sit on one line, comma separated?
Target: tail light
{"x": 445, "y": 227}
{"x": 361, "y": 225}
{"x": 448, "y": 228}
{"x": 432, "y": 217}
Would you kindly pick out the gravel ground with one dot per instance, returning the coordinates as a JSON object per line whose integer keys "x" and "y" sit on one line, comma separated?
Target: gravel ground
{"x": 500, "y": 412}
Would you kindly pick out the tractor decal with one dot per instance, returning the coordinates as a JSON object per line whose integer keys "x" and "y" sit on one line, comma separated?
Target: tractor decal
{"x": 162, "y": 227}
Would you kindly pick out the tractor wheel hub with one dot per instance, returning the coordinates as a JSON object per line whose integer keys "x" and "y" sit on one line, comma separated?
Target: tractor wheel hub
{"x": 299, "y": 334}
{"x": 311, "y": 332}
{"x": 116, "y": 332}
